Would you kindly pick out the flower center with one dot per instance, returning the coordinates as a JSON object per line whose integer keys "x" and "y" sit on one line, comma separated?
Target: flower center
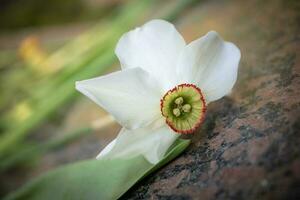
{"x": 184, "y": 108}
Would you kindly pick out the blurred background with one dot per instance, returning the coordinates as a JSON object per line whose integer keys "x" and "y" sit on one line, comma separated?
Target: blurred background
{"x": 248, "y": 146}
{"x": 45, "y": 46}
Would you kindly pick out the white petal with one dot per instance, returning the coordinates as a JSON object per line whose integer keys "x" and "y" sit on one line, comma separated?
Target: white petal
{"x": 132, "y": 96}
{"x": 150, "y": 142}
{"x": 211, "y": 64}
{"x": 154, "y": 47}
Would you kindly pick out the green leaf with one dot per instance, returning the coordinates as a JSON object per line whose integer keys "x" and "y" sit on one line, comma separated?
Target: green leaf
{"x": 94, "y": 179}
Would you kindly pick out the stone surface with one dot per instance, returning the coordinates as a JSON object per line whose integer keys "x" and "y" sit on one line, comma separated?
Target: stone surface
{"x": 249, "y": 144}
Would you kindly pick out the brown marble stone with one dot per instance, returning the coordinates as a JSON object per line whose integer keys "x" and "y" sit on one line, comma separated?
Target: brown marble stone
{"x": 249, "y": 144}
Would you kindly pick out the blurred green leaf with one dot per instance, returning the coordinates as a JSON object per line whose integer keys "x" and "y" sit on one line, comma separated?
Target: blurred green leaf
{"x": 60, "y": 90}
{"x": 94, "y": 179}
{"x": 31, "y": 152}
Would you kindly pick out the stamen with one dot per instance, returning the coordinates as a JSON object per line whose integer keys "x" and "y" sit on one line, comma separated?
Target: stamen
{"x": 179, "y": 100}
{"x": 186, "y": 108}
{"x": 176, "y": 112}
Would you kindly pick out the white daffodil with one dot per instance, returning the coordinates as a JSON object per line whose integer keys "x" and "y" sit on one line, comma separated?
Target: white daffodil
{"x": 163, "y": 88}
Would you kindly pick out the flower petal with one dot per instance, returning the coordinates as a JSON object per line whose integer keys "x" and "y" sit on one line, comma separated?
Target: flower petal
{"x": 211, "y": 64}
{"x": 154, "y": 47}
{"x": 151, "y": 142}
{"x": 132, "y": 96}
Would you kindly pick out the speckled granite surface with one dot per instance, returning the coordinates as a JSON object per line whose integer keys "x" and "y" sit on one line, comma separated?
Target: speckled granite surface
{"x": 249, "y": 144}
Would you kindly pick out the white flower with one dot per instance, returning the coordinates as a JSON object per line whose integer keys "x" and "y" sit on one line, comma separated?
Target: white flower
{"x": 163, "y": 87}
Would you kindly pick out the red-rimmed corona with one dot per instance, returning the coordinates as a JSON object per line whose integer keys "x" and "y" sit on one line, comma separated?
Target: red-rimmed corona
{"x": 184, "y": 108}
